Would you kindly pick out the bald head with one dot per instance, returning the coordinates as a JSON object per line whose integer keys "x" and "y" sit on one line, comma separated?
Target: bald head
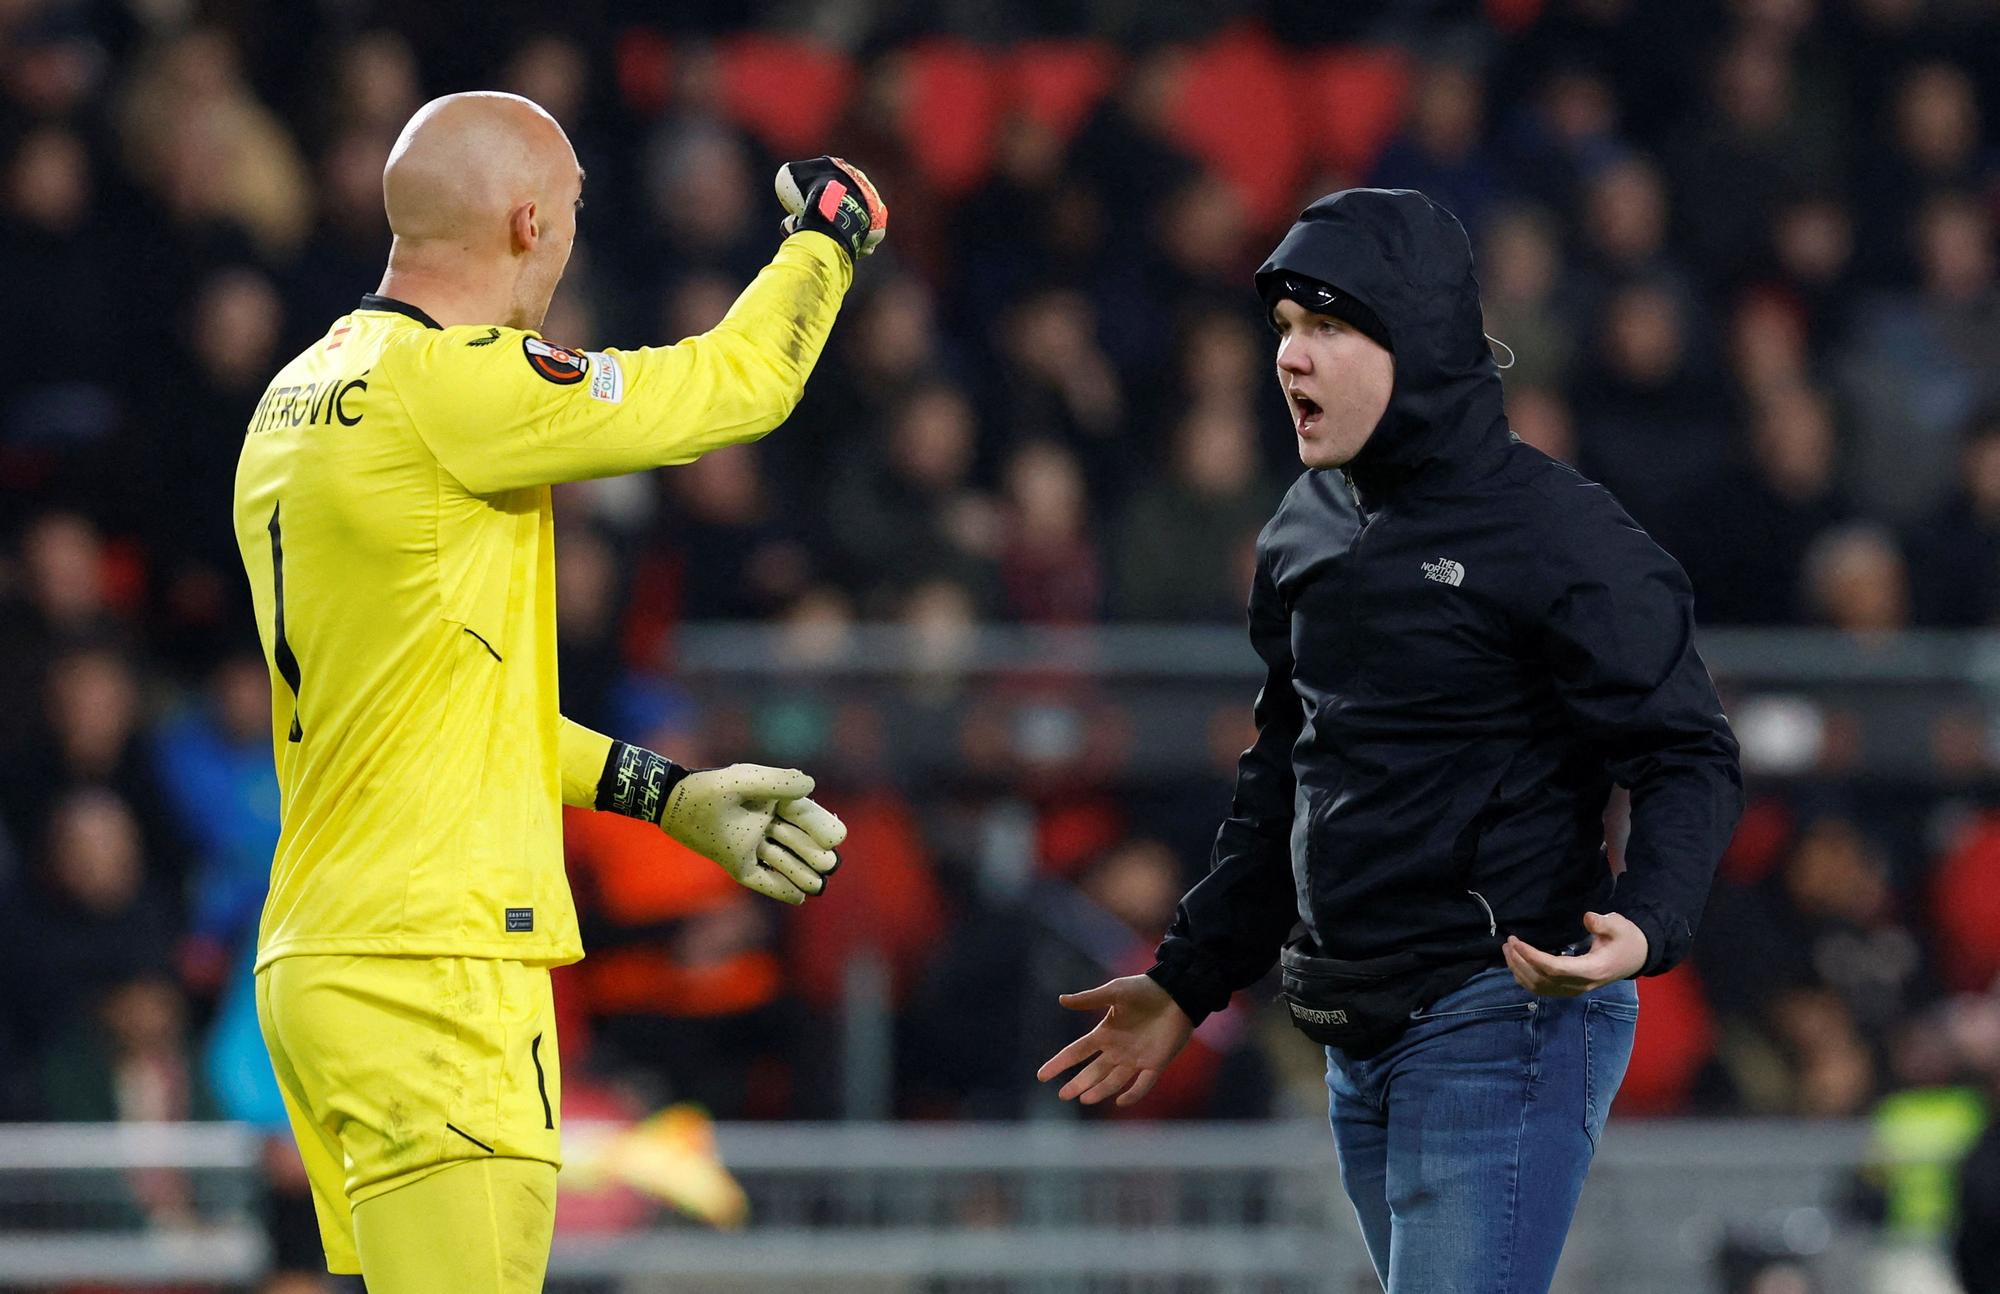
{"x": 481, "y": 190}
{"x": 465, "y": 161}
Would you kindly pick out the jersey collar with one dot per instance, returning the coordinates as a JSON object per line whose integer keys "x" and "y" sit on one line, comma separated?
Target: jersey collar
{"x": 376, "y": 301}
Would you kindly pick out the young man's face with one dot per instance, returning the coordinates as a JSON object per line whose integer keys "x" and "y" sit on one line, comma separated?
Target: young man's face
{"x": 1337, "y": 382}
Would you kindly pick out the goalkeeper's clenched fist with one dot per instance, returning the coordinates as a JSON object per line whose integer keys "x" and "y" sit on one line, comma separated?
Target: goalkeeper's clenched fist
{"x": 833, "y": 196}
{"x": 753, "y": 822}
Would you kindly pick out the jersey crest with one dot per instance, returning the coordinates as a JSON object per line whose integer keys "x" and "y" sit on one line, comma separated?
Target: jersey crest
{"x": 557, "y": 364}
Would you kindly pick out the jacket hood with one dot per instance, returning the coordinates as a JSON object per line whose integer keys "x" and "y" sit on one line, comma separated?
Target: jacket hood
{"x": 1407, "y": 259}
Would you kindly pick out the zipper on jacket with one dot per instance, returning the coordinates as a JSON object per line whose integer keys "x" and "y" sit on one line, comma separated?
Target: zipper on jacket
{"x": 1492, "y": 926}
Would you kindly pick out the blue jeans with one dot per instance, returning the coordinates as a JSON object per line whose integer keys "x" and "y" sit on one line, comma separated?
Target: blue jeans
{"x": 1464, "y": 1144}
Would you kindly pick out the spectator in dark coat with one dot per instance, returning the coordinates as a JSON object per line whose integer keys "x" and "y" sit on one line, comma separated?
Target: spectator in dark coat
{"x": 1955, "y": 553}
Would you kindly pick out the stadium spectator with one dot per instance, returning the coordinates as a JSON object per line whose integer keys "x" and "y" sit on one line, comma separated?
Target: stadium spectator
{"x": 61, "y": 594}
{"x": 221, "y": 164}
{"x": 1929, "y": 143}
{"x": 1647, "y": 426}
{"x": 1568, "y": 131}
{"x": 184, "y": 454}
{"x": 1625, "y": 233}
{"x": 590, "y": 601}
{"x": 907, "y": 508}
{"x": 1955, "y": 552}
{"x": 1439, "y": 151}
{"x": 740, "y": 555}
{"x": 1057, "y": 384}
{"x": 1734, "y": 165}
{"x": 1050, "y": 570}
{"x": 1770, "y": 346}
{"x": 1812, "y": 240}
{"x": 213, "y": 761}
{"x": 704, "y": 168}
{"x": 94, "y": 917}
{"x": 91, "y": 736}
{"x": 1855, "y": 580}
{"x": 53, "y": 251}
{"x": 1743, "y": 533}
{"x": 346, "y": 243}
{"x": 1183, "y": 541}
{"x": 1918, "y": 363}
{"x": 1520, "y": 268}
{"x": 127, "y": 1061}
{"x": 374, "y": 88}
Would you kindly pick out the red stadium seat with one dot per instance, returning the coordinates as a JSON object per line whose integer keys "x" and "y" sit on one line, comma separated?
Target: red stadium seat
{"x": 785, "y": 91}
{"x": 1353, "y": 101}
{"x": 952, "y": 104}
{"x": 1676, "y": 1039}
{"x": 1965, "y": 905}
{"x": 1513, "y": 15}
{"x": 1233, "y": 109}
{"x": 1057, "y": 83}
{"x": 645, "y": 71}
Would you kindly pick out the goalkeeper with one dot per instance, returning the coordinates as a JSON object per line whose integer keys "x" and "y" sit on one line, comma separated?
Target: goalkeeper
{"x": 392, "y": 507}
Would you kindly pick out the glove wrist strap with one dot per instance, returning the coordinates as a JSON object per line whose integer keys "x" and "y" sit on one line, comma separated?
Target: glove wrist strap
{"x": 834, "y": 208}
{"x": 636, "y": 782}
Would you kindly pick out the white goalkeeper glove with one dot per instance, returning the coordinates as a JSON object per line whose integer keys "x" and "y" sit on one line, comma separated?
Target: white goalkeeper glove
{"x": 757, "y": 824}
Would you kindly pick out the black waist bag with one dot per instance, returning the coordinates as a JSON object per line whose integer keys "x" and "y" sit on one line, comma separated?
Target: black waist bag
{"x": 1363, "y": 1006}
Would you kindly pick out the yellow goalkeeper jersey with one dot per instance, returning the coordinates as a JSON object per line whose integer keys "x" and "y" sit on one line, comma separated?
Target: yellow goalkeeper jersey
{"x": 392, "y": 507}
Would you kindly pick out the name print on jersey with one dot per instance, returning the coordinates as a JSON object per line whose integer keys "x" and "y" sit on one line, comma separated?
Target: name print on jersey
{"x": 308, "y": 403}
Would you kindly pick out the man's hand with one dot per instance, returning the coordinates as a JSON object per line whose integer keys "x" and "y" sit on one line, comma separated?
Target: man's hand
{"x": 757, "y": 824}
{"x": 1617, "y": 950}
{"x": 1141, "y": 1031}
{"x": 834, "y": 197}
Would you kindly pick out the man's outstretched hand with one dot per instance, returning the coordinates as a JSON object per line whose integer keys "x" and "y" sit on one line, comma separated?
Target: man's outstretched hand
{"x": 1141, "y": 1031}
{"x": 1618, "y": 949}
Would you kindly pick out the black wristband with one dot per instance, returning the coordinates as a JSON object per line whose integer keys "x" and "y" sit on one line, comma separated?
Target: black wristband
{"x": 636, "y": 782}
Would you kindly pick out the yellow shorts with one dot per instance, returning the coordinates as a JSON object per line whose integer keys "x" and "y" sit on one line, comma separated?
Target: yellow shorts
{"x": 395, "y": 1067}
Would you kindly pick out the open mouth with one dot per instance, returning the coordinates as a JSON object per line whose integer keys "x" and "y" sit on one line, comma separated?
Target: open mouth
{"x": 1305, "y": 411}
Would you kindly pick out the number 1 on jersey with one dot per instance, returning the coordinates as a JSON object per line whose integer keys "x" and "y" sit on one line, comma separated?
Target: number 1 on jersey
{"x": 288, "y": 664}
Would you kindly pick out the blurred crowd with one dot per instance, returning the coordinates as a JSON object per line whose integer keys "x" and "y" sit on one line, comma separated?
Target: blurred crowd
{"x": 1742, "y": 252}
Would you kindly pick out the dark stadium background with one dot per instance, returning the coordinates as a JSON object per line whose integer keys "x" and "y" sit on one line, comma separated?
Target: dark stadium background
{"x": 988, "y": 582}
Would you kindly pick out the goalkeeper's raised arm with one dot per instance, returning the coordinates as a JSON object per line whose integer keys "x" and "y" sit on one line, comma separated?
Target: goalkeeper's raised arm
{"x": 503, "y": 408}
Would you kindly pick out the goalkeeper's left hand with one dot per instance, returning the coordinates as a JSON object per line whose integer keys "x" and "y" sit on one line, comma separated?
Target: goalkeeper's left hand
{"x": 757, "y": 824}
{"x": 833, "y": 196}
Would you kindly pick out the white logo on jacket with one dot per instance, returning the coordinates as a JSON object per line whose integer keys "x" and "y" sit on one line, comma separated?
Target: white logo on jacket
{"x": 1445, "y": 571}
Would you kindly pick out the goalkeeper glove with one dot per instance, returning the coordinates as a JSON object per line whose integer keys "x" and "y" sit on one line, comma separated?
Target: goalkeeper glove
{"x": 833, "y": 197}
{"x": 757, "y": 824}
{"x": 753, "y": 822}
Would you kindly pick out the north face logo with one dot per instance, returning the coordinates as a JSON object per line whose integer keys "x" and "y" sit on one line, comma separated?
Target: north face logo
{"x": 1445, "y": 571}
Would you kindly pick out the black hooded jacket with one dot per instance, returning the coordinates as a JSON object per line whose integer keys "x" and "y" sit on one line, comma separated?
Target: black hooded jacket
{"x": 1459, "y": 669}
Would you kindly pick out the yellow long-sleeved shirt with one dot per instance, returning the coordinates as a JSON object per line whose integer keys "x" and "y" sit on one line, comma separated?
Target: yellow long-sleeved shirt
{"x": 392, "y": 507}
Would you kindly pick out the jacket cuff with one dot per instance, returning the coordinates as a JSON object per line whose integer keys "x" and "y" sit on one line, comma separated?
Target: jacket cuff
{"x": 1198, "y": 989}
{"x": 1663, "y": 951}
